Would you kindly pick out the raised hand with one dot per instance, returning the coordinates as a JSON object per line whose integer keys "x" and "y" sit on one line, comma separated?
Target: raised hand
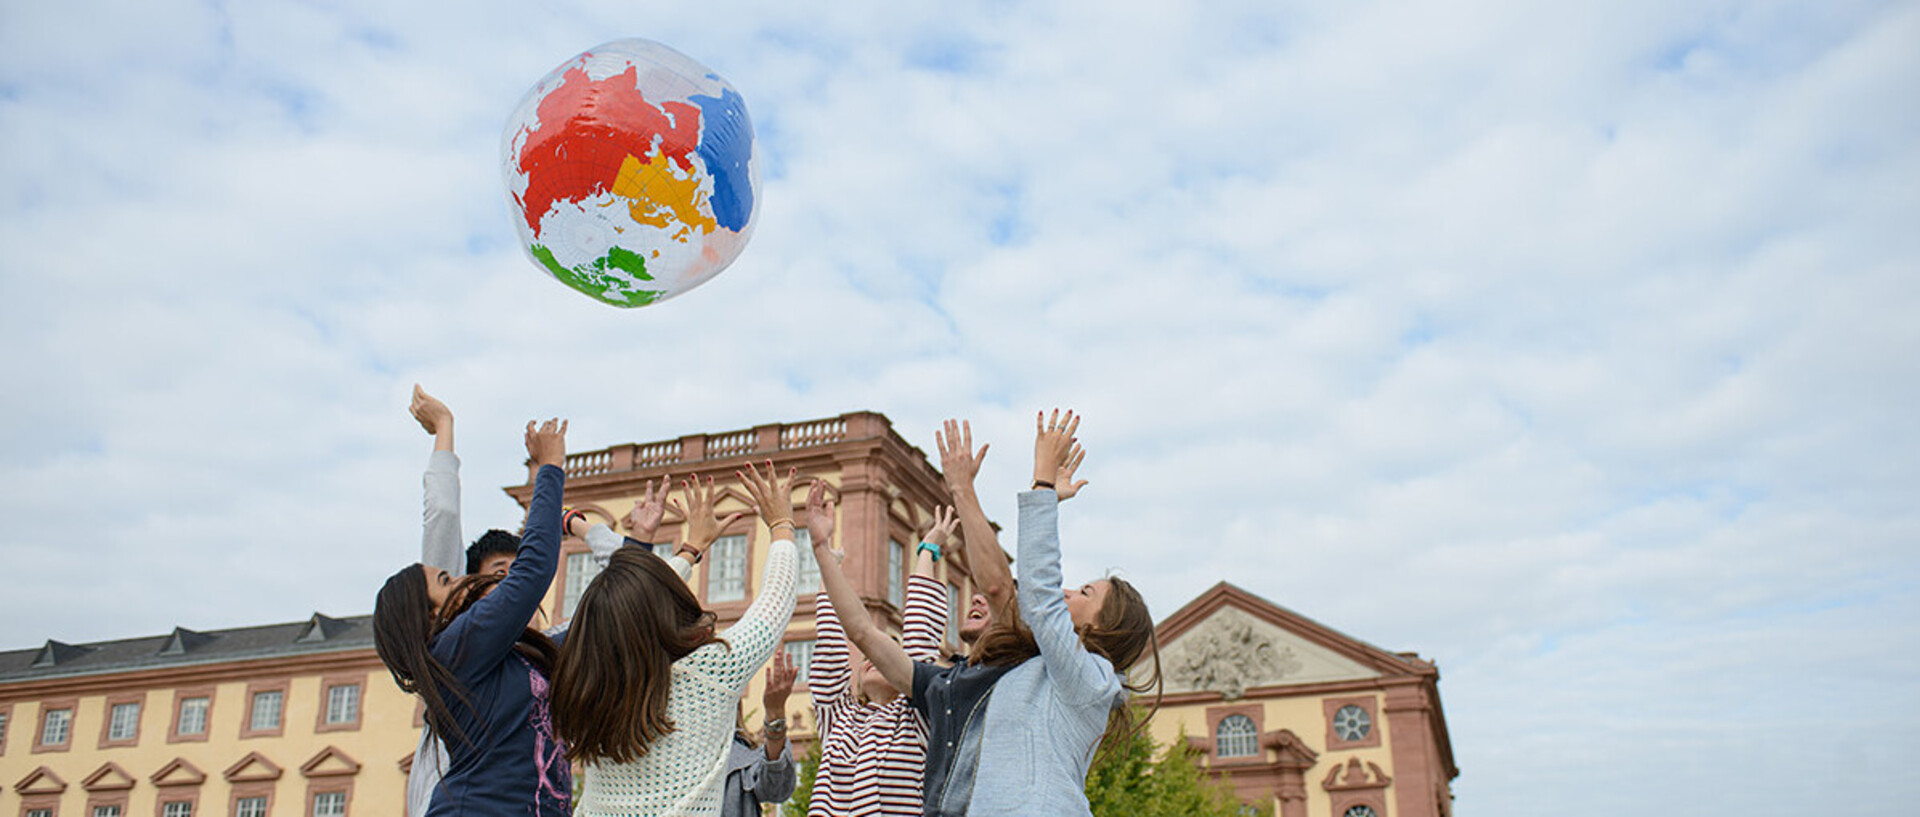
{"x": 1053, "y": 448}
{"x": 944, "y": 521}
{"x": 772, "y": 496}
{"x": 1063, "y": 484}
{"x": 703, "y": 525}
{"x": 780, "y": 675}
{"x": 959, "y": 463}
{"x": 650, "y": 508}
{"x": 548, "y": 444}
{"x": 820, "y": 521}
{"x": 429, "y": 411}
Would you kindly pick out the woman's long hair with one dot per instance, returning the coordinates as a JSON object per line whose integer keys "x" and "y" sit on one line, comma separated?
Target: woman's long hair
{"x": 611, "y": 683}
{"x": 403, "y": 624}
{"x": 1123, "y": 633}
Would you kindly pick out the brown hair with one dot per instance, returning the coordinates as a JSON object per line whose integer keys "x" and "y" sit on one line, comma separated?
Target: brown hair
{"x": 1006, "y": 642}
{"x": 610, "y": 686}
{"x": 1123, "y": 633}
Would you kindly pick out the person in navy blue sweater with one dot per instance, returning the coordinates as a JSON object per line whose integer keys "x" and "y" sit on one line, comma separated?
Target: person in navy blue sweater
{"x": 463, "y": 644}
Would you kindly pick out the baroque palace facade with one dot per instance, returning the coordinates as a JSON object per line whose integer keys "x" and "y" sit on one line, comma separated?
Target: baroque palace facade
{"x": 301, "y": 719}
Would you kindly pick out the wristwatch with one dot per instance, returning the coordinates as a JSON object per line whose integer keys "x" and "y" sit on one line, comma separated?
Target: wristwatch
{"x": 776, "y": 726}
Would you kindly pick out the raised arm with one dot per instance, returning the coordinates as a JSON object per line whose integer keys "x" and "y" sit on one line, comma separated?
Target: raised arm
{"x": 761, "y": 628}
{"x": 485, "y": 633}
{"x": 924, "y": 621}
{"x": 890, "y": 658}
{"x": 986, "y": 561}
{"x": 441, "y": 544}
{"x": 1083, "y": 678}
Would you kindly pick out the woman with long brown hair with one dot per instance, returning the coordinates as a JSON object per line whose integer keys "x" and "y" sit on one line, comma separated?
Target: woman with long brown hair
{"x": 1048, "y": 716}
{"x": 645, "y": 689}
{"x": 463, "y": 645}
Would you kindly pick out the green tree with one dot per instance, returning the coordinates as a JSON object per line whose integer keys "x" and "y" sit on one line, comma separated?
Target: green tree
{"x": 1128, "y": 781}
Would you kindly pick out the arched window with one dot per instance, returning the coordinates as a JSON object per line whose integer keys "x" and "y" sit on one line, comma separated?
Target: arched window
{"x": 1236, "y": 737}
{"x": 1359, "y": 811}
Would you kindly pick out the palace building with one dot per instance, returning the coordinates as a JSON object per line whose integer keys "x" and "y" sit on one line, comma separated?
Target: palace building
{"x": 302, "y": 720}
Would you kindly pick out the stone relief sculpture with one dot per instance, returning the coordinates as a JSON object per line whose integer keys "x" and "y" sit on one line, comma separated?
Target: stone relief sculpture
{"x": 1227, "y": 655}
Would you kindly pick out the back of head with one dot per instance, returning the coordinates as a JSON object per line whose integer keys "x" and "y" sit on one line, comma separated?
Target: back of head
{"x": 1123, "y": 634}
{"x": 610, "y": 686}
{"x": 402, "y": 626}
{"x": 492, "y": 543}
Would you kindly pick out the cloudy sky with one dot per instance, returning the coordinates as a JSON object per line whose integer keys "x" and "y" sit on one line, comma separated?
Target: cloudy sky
{"x": 1572, "y": 345}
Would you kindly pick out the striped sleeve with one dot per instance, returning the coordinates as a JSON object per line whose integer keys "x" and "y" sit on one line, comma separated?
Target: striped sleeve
{"x": 925, "y": 618}
{"x": 827, "y": 676}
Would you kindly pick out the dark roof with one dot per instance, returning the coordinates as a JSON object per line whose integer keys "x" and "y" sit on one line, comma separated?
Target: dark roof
{"x": 184, "y": 647}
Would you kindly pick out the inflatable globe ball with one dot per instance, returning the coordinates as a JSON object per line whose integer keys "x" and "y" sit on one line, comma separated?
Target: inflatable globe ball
{"x": 631, "y": 173}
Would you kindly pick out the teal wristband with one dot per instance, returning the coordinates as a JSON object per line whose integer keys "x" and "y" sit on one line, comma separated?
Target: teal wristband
{"x": 930, "y": 548}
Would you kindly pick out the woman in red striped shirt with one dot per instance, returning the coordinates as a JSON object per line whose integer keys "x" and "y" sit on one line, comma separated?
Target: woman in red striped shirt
{"x": 873, "y": 742}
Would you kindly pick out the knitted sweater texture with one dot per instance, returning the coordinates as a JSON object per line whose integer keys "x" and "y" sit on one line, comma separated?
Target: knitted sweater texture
{"x": 682, "y": 773}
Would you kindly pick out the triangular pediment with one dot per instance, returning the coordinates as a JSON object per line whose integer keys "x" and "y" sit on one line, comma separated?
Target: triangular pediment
{"x": 330, "y": 762}
{"x": 253, "y": 767}
{"x": 179, "y": 772}
{"x": 40, "y": 781}
{"x": 109, "y": 777}
{"x": 1228, "y": 641}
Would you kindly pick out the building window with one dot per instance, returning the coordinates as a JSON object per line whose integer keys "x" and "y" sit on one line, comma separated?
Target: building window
{"x": 106, "y": 811}
{"x": 808, "y": 579}
{"x": 343, "y": 704}
{"x": 801, "y": 654}
{"x": 124, "y": 722}
{"x": 1351, "y": 723}
{"x": 896, "y": 574}
{"x": 39, "y": 812}
{"x": 55, "y": 726}
{"x": 330, "y": 804}
{"x": 727, "y": 569}
{"x": 177, "y": 808}
{"x": 3, "y": 730}
{"x": 581, "y": 568}
{"x": 1359, "y": 811}
{"x": 193, "y": 716}
{"x": 250, "y": 807}
{"x": 1236, "y": 736}
{"x": 266, "y": 711}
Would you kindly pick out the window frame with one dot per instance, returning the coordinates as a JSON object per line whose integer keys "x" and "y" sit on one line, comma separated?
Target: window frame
{"x": 137, "y": 700}
{"x": 1366, "y": 703}
{"x": 801, "y": 667}
{"x": 180, "y": 698}
{"x": 6, "y": 722}
{"x": 69, "y": 705}
{"x": 1255, "y": 712}
{"x": 575, "y": 579}
{"x": 713, "y": 562}
{"x": 328, "y": 683}
{"x": 806, "y": 575}
{"x": 896, "y": 574}
{"x": 254, "y": 690}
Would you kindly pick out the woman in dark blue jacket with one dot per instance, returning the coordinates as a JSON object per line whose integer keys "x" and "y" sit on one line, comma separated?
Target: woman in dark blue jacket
{"x": 464, "y": 645}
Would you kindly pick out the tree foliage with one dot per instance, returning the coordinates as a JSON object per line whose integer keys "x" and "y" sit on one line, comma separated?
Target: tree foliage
{"x": 1128, "y": 781}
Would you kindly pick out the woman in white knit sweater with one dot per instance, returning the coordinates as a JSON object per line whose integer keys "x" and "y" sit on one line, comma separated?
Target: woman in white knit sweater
{"x": 645, "y": 689}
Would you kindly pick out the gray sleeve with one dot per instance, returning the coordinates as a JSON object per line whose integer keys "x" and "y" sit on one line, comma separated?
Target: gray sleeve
{"x": 778, "y": 778}
{"x": 441, "y": 544}
{"x": 602, "y": 541}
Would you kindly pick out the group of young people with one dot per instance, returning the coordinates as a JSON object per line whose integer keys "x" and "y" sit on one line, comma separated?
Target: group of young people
{"x": 642, "y": 689}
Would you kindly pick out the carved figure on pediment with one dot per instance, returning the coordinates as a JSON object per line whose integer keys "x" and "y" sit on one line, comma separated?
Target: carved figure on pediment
{"x": 1230, "y": 656}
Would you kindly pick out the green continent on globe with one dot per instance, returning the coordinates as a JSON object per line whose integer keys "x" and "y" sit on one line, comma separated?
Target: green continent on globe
{"x": 592, "y": 278}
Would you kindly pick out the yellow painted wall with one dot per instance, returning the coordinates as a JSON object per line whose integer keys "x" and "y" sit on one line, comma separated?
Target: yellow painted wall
{"x": 1306, "y": 717}
{"x": 386, "y": 734}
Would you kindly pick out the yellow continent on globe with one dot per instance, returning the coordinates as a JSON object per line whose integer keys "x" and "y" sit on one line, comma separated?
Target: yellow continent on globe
{"x": 659, "y": 196}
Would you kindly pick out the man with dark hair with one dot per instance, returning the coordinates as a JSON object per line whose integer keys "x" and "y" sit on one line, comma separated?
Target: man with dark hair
{"x": 492, "y": 553}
